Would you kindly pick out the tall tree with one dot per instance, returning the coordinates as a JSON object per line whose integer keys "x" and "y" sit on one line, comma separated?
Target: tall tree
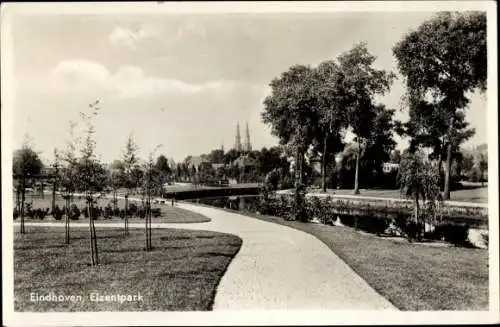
{"x": 332, "y": 104}
{"x": 164, "y": 169}
{"x": 26, "y": 165}
{"x": 362, "y": 83}
{"x": 290, "y": 110}
{"x": 445, "y": 60}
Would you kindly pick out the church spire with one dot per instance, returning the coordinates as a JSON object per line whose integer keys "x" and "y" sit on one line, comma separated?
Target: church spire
{"x": 237, "y": 142}
{"x": 248, "y": 145}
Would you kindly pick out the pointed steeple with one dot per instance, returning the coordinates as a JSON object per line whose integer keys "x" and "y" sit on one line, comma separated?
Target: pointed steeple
{"x": 237, "y": 142}
{"x": 248, "y": 145}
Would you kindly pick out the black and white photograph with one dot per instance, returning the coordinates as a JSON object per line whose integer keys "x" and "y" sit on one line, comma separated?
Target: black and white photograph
{"x": 249, "y": 163}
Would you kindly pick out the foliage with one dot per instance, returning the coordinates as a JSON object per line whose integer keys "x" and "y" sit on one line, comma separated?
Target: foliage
{"x": 419, "y": 180}
{"x": 74, "y": 212}
{"x": 443, "y": 61}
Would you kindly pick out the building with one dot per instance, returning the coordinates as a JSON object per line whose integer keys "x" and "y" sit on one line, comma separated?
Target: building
{"x": 246, "y": 146}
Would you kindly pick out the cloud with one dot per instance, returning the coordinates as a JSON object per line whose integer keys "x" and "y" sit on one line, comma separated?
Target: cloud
{"x": 80, "y": 76}
{"x": 120, "y": 36}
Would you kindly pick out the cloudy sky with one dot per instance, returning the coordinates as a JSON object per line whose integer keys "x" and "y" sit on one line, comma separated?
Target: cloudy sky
{"x": 182, "y": 81}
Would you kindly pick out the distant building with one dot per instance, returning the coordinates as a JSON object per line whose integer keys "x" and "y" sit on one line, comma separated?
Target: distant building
{"x": 389, "y": 167}
{"x": 246, "y": 146}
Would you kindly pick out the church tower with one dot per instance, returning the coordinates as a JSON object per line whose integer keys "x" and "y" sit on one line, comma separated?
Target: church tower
{"x": 248, "y": 145}
{"x": 237, "y": 141}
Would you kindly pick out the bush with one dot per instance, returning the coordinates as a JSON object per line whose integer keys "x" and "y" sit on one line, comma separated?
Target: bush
{"x": 413, "y": 230}
{"x": 372, "y": 224}
{"x": 132, "y": 209}
{"x": 108, "y": 211}
{"x": 16, "y": 213}
{"x": 156, "y": 212}
{"x": 117, "y": 213}
{"x": 456, "y": 234}
{"x": 74, "y": 212}
{"x": 57, "y": 213}
{"x": 122, "y": 213}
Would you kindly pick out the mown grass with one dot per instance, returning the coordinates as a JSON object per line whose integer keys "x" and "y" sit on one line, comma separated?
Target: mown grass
{"x": 412, "y": 276}
{"x": 181, "y": 273}
{"x": 478, "y": 194}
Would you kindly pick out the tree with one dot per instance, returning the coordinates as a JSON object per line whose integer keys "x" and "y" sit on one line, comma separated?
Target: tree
{"x": 395, "y": 156}
{"x": 90, "y": 175}
{"x": 164, "y": 169}
{"x": 419, "y": 181}
{"x": 444, "y": 60}
{"x": 152, "y": 183}
{"x": 362, "y": 83}
{"x": 55, "y": 177}
{"x": 69, "y": 177}
{"x": 130, "y": 173}
{"x": 290, "y": 110}
{"x": 115, "y": 180}
{"x": 332, "y": 102}
{"x": 26, "y": 165}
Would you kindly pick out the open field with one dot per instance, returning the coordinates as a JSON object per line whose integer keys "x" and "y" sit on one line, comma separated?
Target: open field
{"x": 169, "y": 214}
{"x": 411, "y": 276}
{"x": 479, "y": 194}
{"x": 181, "y": 273}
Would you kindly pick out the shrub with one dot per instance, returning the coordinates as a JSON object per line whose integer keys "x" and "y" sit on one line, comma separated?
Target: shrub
{"x": 108, "y": 211}
{"x": 132, "y": 209}
{"x": 372, "y": 224}
{"x": 85, "y": 212}
{"x": 456, "y": 234}
{"x": 413, "y": 230}
{"x": 57, "y": 213}
{"x": 74, "y": 212}
{"x": 156, "y": 212}
{"x": 16, "y": 213}
{"x": 141, "y": 213}
{"x": 117, "y": 212}
{"x": 122, "y": 213}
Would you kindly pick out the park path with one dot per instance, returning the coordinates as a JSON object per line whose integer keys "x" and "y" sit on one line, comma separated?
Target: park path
{"x": 278, "y": 267}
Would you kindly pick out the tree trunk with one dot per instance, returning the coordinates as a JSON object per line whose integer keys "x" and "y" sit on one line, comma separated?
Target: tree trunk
{"x": 323, "y": 166}
{"x": 93, "y": 236}
{"x": 91, "y": 230}
{"x": 23, "y": 194}
{"x": 447, "y": 172}
{"x": 54, "y": 196}
{"x": 66, "y": 225}
{"x": 125, "y": 218}
{"x": 356, "y": 174}
{"x": 18, "y": 199}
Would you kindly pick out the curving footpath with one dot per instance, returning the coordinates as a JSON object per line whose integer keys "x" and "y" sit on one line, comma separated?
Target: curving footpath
{"x": 279, "y": 267}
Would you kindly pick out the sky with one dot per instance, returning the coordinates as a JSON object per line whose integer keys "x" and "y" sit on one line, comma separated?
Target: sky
{"x": 183, "y": 80}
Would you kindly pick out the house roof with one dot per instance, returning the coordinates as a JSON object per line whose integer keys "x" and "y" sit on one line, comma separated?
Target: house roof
{"x": 245, "y": 161}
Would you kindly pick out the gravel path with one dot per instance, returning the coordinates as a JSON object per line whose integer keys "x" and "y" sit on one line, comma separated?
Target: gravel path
{"x": 278, "y": 267}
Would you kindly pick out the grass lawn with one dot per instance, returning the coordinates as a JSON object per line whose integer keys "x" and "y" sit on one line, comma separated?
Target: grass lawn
{"x": 181, "y": 273}
{"x": 169, "y": 214}
{"x": 411, "y": 276}
{"x": 479, "y": 194}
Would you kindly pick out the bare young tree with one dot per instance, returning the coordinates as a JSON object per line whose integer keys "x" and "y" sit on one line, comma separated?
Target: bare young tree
{"x": 130, "y": 173}
{"x": 152, "y": 184}
{"x": 91, "y": 175}
{"x": 68, "y": 181}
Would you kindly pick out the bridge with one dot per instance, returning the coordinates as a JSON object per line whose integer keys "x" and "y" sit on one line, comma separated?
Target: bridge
{"x": 192, "y": 192}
